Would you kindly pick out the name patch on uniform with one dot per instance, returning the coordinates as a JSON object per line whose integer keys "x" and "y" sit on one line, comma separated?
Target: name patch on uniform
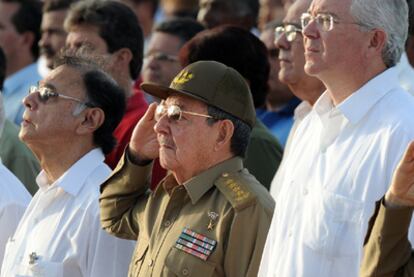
{"x": 195, "y": 244}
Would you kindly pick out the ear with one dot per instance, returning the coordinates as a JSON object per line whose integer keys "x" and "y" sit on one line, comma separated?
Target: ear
{"x": 377, "y": 41}
{"x": 91, "y": 120}
{"x": 225, "y": 133}
{"x": 122, "y": 57}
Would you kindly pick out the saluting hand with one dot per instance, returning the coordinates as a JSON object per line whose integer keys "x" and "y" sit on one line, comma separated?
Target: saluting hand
{"x": 144, "y": 145}
{"x": 401, "y": 191}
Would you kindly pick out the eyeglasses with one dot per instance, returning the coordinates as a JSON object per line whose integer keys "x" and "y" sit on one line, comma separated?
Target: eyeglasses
{"x": 161, "y": 57}
{"x": 46, "y": 93}
{"x": 324, "y": 21}
{"x": 173, "y": 112}
{"x": 289, "y": 30}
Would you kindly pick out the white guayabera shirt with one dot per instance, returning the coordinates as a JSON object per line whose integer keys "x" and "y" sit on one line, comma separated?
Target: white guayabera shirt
{"x": 340, "y": 162}
{"x": 60, "y": 233}
{"x": 14, "y": 199}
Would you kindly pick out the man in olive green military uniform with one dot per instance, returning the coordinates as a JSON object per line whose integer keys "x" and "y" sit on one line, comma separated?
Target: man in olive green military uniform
{"x": 209, "y": 216}
{"x": 388, "y": 251}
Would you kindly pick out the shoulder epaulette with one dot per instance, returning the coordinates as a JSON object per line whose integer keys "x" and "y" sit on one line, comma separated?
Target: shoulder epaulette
{"x": 235, "y": 188}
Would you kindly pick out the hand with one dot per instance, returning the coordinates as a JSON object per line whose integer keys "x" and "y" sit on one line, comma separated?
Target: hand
{"x": 401, "y": 191}
{"x": 144, "y": 144}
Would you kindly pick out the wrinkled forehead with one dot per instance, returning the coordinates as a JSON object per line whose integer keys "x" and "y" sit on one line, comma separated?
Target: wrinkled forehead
{"x": 185, "y": 102}
{"x": 334, "y": 7}
{"x": 64, "y": 78}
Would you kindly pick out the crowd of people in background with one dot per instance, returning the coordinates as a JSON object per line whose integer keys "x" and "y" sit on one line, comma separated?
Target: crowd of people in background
{"x": 206, "y": 138}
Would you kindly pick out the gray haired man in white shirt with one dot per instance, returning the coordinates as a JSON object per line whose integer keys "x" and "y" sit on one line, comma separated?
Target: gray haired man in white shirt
{"x": 68, "y": 124}
{"x": 343, "y": 153}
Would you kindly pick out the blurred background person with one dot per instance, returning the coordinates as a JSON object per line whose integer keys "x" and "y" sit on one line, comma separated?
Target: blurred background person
{"x": 180, "y": 8}
{"x": 161, "y": 63}
{"x": 19, "y": 37}
{"x": 242, "y": 13}
{"x": 145, "y": 10}
{"x": 270, "y": 10}
{"x": 243, "y": 51}
{"x": 53, "y": 34}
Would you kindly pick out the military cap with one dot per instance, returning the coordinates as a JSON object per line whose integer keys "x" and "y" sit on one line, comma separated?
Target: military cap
{"x": 214, "y": 84}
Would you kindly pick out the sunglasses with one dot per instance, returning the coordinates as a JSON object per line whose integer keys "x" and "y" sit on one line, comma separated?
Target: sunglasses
{"x": 45, "y": 93}
{"x": 173, "y": 112}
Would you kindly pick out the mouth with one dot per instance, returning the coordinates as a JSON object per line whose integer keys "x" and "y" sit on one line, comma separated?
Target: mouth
{"x": 165, "y": 143}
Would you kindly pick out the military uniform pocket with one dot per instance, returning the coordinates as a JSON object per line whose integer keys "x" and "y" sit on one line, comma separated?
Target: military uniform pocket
{"x": 183, "y": 264}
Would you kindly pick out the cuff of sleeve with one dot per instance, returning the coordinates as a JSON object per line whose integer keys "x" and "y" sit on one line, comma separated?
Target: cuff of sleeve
{"x": 128, "y": 177}
{"x": 389, "y": 218}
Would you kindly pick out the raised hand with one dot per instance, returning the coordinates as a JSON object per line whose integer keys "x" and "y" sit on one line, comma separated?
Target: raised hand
{"x": 144, "y": 145}
{"x": 401, "y": 191}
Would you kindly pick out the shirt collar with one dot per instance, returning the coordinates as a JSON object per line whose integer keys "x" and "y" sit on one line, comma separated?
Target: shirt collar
{"x": 74, "y": 178}
{"x": 197, "y": 186}
{"x": 13, "y": 82}
{"x": 302, "y": 110}
{"x": 357, "y": 105}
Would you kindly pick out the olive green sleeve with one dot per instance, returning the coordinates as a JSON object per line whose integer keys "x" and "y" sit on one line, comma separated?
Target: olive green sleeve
{"x": 247, "y": 236}
{"x": 123, "y": 199}
{"x": 388, "y": 251}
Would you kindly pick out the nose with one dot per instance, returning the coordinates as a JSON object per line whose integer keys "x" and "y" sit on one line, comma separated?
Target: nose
{"x": 281, "y": 42}
{"x": 162, "y": 125}
{"x": 310, "y": 30}
{"x": 44, "y": 40}
{"x": 30, "y": 101}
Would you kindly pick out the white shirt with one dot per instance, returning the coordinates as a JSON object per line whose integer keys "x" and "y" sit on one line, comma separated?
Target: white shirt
{"x": 340, "y": 162}
{"x": 14, "y": 199}
{"x": 301, "y": 111}
{"x": 61, "y": 229}
{"x": 406, "y": 74}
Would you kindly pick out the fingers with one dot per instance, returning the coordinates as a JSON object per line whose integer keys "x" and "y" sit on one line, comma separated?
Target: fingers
{"x": 409, "y": 153}
{"x": 150, "y": 113}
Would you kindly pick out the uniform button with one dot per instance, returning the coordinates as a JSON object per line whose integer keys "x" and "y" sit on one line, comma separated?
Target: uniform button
{"x": 305, "y": 191}
{"x": 290, "y": 233}
{"x": 167, "y": 223}
{"x": 225, "y": 174}
{"x": 150, "y": 263}
{"x": 185, "y": 271}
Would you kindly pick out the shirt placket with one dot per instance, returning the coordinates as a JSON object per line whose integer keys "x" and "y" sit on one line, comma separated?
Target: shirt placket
{"x": 170, "y": 216}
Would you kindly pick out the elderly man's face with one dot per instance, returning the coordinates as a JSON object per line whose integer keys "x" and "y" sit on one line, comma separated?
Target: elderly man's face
{"x": 161, "y": 60}
{"x": 53, "y": 34}
{"x": 334, "y": 52}
{"x": 186, "y": 144}
{"x": 53, "y": 120}
{"x": 291, "y": 53}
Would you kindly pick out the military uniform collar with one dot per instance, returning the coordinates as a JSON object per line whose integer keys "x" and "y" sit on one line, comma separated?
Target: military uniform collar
{"x": 197, "y": 186}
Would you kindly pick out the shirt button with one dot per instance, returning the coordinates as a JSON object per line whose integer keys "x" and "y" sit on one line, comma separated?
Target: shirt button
{"x": 167, "y": 223}
{"x": 185, "y": 271}
{"x": 225, "y": 174}
{"x": 150, "y": 263}
{"x": 290, "y": 233}
{"x": 305, "y": 191}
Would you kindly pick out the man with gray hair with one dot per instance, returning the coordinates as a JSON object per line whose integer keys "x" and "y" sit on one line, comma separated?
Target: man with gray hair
{"x": 358, "y": 130}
